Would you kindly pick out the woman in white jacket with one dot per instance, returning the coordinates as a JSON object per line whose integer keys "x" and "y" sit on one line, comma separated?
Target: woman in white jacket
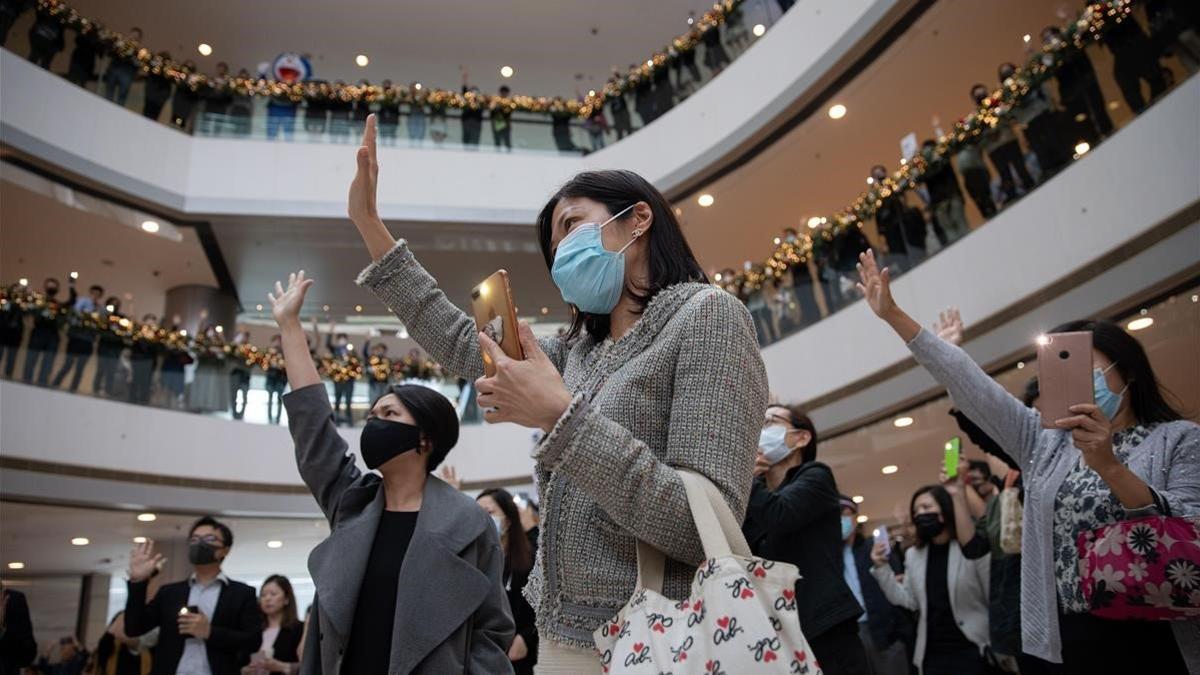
{"x": 947, "y": 590}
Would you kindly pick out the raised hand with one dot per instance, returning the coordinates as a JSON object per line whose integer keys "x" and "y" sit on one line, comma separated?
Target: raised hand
{"x": 450, "y": 475}
{"x": 949, "y": 326}
{"x": 361, "y": 205}
{"x": 875, "y": 284}
{"x": 286, "y": 303}
{"x": 143, "y": 561}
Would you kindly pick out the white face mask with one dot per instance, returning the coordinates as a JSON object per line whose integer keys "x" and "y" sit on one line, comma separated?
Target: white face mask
{"x": 773, "y": 443}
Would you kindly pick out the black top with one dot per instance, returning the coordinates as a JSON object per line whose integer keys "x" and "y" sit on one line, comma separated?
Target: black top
{"x": 941, "y": 181}
{"x": 524, "y": 618}
{"x": 942, "y": 630}
{"x": 883, "y": 618}
{"x": 18, "y": 648}
{"x": 287, "y": 642}
{"x": 801, "y": 523}
{"x": 369, "y": 649}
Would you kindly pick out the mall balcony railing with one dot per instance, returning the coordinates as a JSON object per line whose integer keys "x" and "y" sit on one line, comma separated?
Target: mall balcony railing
{"x": 423, "y": 126}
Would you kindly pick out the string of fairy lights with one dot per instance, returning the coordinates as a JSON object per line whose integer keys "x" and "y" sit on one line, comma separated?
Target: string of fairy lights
{"x": 211, "y": 348}
{"x": 1093, "y": 21}
{"x": 121, "y": 46}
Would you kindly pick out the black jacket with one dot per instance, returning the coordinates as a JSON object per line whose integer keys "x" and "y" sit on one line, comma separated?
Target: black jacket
{"x": 17, "y": 646}
{"x": 287, "y": 643}
{"x": 236, "y": 632}
{"x": 883, "y": 619}
{"x": 801, "y": 523}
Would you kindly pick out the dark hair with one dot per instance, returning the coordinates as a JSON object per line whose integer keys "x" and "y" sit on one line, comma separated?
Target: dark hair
{"x": 800, "y": 420}
{"x": 342, "y": 336}
{"x": 979, "y": 85}
{"x": 980, "y": 466}
{"x": 94, "y": 288}
{"x": 290, "y": 616}
{"x": 928, "y": 142}
{"x": 226, "y": 533}
{"x": 1002, "y": 66}
{"x": 518, "y": 558}
{"x": 49, "y": 279}
{"x": 1052, "y": 30}
{"x": 135, "y": 28}
{"x": 1145, "y": 394}
{"x": 880, "y": 167}
{"x": 944, "y": 503}
{"x": 114, "y": 301}
{"x": 1032, "y": 392}
{"x": 671, "y": 260}
{"x": 435, "y": 417}
{"x": 504, "y": 90}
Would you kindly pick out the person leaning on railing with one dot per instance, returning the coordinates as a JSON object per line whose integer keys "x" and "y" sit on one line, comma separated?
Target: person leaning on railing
{"x": 1128, "y": 455}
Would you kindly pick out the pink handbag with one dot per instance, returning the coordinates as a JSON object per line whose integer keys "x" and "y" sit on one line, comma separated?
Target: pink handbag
{"x": 1148, "y": 569}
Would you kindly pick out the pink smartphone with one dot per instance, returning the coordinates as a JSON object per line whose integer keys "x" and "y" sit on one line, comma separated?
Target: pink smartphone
{"x": 1064, "y": 374}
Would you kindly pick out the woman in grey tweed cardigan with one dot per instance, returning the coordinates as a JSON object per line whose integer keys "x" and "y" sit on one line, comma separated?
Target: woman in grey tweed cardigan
{"x": 1095, "y": 469}
{"x": 670, "y": 379}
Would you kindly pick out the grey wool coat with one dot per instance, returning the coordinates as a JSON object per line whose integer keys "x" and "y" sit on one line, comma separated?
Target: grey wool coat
{"x": 452, "y": 614}
{"x": 684, "y": 388}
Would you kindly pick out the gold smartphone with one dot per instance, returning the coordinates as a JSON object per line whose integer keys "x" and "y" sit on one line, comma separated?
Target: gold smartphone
{"x": 496, "y": 316}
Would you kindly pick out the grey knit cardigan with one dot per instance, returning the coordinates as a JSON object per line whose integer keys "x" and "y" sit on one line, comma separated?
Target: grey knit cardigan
{"x": 1168, "y": 460}
{"x": 685, "y": 388}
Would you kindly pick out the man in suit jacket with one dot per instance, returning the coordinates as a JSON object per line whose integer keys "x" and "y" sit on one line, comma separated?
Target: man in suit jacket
{"x": 208, "y": 624}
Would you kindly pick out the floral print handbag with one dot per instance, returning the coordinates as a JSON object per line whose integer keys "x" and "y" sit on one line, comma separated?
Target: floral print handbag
{"x": 1147, "y": 568}
{"x": 740, "y": 616}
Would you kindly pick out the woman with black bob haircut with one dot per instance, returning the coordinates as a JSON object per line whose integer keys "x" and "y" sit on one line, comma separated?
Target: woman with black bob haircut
{"x": 1127, "y": 455}
{"x": 947, "y": 590}
{"x": 407, "y": 555}
{"x": 518, "y": 561}
{"x": 660, "y": 372}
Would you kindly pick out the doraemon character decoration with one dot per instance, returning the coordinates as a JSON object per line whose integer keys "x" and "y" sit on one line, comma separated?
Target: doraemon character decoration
{"x": 291, "y": 68}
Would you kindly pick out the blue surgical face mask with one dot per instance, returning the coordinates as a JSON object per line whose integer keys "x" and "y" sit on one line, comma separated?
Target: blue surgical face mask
{"x": 590, "y": 276}
{"x": 773, "y": 443}
{"x": 1108, "y": 402}
{"x": 847, "y": 526}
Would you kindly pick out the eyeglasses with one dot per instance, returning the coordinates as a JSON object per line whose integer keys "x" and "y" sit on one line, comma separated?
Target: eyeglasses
{"x": 776, "y": 419}
{"x": 210, "y": 539}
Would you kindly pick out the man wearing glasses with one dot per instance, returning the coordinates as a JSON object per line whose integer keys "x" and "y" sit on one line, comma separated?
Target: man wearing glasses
{"x": 209, "y": 624}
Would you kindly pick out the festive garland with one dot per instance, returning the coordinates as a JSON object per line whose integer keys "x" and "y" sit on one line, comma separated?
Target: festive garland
{"x": 997, "y": 108}
{"x": 121, "y": 47}
{"x": 207, "y": 348}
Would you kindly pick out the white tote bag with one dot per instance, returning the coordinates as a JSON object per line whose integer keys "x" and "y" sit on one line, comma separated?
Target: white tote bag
{"x": 740, "y": 616}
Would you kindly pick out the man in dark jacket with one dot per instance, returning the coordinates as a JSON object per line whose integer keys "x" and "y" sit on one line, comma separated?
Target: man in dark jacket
{"x": 794, "y": 516}
{"x": 207, "y": 623}
{"x": 879, "y": 627}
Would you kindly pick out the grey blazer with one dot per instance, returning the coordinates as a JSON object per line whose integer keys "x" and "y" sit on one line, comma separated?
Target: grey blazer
{"x": 452, "y": 614}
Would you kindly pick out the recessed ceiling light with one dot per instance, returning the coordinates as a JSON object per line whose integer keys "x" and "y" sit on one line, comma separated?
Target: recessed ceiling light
{"x": 705, "y": 200}
{"x": 890, "y": 469}
{"x": 759, "y": 30}
{"x": 901, "y": 422}
{"x": 1081, "y": 148}
{"x": 1140, "y": 323}
{"x": 857, "y": 499}
{"x": 80, "y": 541}
{"x": 358, "y": 308}
{"x": 1020, "y": 365}
{"x": 862, "y": 519}
{"x": 362, "y": 60}
{"x": 23, "y": 281}
{"x": 325, "y": 308}
{"x": 274, "y": 543}
{"x": 776, "y": 240}
{"x": 837, "y": 111}
{"x": 258, "y": 308}
{"x": 205, "y": 49}
{"x": 220, "y": 329}
{"x": 417, "y": 86}
{"x": 139, "y": 540}
{"x": 870, "y": 180}
{"x": 74, "y": 275}
{"x": 649, "y": 62}
{"x": 1195, "y": 298}
{"x": 1026, "y": 37}
{"x": 16, "y": 565}
{"x": 717, "y": 276}
{"x": 150, "y": 226}
{"x": 506, "y": 71}
{"x": 545, "y": 310}
{"x": 147, "y": 517}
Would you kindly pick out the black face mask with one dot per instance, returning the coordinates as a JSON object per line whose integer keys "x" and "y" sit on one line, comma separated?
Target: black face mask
{"x": 201, "y": 553}
{"x": 929, "y": 525}
{"x": 382, "y": 440}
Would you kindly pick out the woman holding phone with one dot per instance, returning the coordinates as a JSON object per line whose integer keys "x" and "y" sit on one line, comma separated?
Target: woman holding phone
{"x": 1128, "y": 455}
{"x": 659, "y": 371}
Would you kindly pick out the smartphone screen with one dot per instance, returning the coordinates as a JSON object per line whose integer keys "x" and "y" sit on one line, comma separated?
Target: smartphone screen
{"x": 953, "y": 448}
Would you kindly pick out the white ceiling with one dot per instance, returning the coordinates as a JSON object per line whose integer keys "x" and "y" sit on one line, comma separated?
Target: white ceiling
{"x": 546, "y": 42}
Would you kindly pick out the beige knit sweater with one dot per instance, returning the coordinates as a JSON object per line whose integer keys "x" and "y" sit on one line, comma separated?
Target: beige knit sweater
{"x": 685, "y": 388}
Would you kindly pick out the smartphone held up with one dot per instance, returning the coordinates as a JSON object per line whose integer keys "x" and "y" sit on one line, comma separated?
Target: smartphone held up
{"x": 496, "y": 316}
{"x": 1064, "y": 374}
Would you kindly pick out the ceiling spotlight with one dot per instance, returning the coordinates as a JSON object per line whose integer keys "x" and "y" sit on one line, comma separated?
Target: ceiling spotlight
{"x": 837, "y": 111}
{"x": 717, "y": 276}
{"x": 1140, "y": 323}
{"x": 139, "y": 540}
{"x": 358, "y": 308}
{"x": 591, "y": 92}
{"x": 74, "y": 275}
{"x": 759, "y": 30}
{"x": 814, "y": 222}
{"x": 147, "y": 517}
{"x": 776, "y": 240}
{"x": 857, "y": 499}
{"x": 362, "y": 60}
{"x": 80, "y": 541}
{"x": 274, "y": 543}
{"x": 220, "y": 329}
{"x": 1195, "y": 298}
{"x": 862, "y": 519}
{"x": 1081, "y": 148}
{"x": 870, "y": 180}
{"x": 150, "y": 226}
{"x": 16, "y": 565}
{"x": 901, "y": 422}
{"x": 649, "y": 62}
{"x": 705, "y": 200}
{"x": 325, "y": 308}
{"x": 417, "y": 86}
{"x": 545, "y": 311}
{"x": 205, "y": 49}
{"x": 23, "y": 281}
{"x": 1020, "y": 365}
{"x": 1026, "y": 38}
{"x": 889, "y": 469}
{"x": 506, "y": 71}
{"x": 258, "y": 308}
